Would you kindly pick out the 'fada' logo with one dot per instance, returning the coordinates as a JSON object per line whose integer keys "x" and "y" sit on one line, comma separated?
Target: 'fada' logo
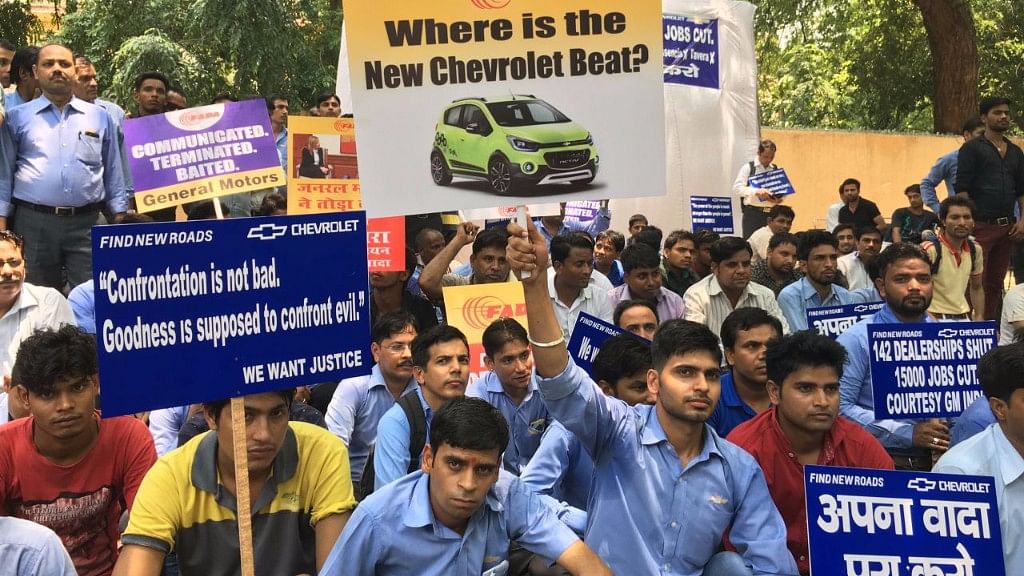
{"x": 266, "y": 232}
{"x": 491, "y": 4}
{"x": 342, "y": 125}
{"x": 479, "y": 312}
{"x": 195, "y": 119}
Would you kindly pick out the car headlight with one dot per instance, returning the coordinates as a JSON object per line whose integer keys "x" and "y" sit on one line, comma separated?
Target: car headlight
{"x": 590, "y": 138}
{"x": 523, "y": 145}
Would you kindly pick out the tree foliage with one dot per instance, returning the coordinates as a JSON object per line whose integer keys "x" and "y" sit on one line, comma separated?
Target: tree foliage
{"x": 866, "y": 64}
{"x": 255, "y": 47}
{"x": 18, "y": 24}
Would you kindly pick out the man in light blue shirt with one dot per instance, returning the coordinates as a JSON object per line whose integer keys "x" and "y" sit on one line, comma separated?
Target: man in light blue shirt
{"x": 974, "y": 419}
{"x": 440, "y": 359}
{"x": 906, "y": 287}
{"x": 819, "y": 255}
{"x": 28, "y": 549}
{"x": 665, "y": 485}
{"x": 359, "y": 403}
{"x": 454, "y": 516}
{"x": 510, "y": 387}
{"x": 61, "y": 166}
{"x": 944, "y": 169}
{"x": 22, "y": 75}
{"x": 996, "y": 451}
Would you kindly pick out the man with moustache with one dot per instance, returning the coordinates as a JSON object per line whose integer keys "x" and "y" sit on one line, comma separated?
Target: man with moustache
{"x": 677, "y": 262}
{"x": 990, "y": 171}
{"x": 359, "y": 403}
{"x": 778, "y": 268}
{"x": 62, "y": 161}
{"x": 745, "y": 336}
{"x": 957, "y": 264}
{"x": 574, "y": 288}
{"x": 905, "y": 284}
{"x": 7, "y": 50}
{"x": 487, "y": 261}
{"x": 638, "y": 317}
{"x": 854, "y": 266}
{"x": 803, "y": 427}
{"x": 642, "y": 280}
{"x": 87, "y": 88}
{"x": 818, "y": 254}
{"x": 440, "y": 359}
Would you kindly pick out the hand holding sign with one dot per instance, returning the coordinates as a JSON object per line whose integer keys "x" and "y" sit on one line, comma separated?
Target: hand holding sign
{"x": 932, "y": 435}
{"x": 465, "y": 234}
{"x": 527, "y": 252}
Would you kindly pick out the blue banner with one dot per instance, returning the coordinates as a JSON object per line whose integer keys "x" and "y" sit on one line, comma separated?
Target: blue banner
{"x": 188, "y": 312}
{"x": 775, "y": 181}
{"x": 587, "y": 336}
{"x": 832, "y": 321}
{"x": 890, "y": 523}
{"x": 691, "y": 51}
{"x": 711, "y": 213}
{"x": 927, "y": 370}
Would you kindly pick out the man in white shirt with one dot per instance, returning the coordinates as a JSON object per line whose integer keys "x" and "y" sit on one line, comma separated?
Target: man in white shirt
{"x": 780, "y": 219}
{"x": 854, "y": 265}
{"x": 1011, "y": 320}
{"x": 756, "y": 201}
{"x": 573, "y": 287}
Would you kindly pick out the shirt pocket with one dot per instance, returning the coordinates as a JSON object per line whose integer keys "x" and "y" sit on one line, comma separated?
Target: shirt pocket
{"x": 705, "y": 525}
{"x": 88, "y": 150}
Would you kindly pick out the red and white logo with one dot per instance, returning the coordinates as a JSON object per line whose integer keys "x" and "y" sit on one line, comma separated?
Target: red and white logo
{"x": 491, "y": 4}
{"x": 196, "y": 119}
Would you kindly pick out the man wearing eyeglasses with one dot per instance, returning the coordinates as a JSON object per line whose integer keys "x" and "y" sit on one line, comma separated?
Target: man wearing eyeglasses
{"x": 358, "y": 403}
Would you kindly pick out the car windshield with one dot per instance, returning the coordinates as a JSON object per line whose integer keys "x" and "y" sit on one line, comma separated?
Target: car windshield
{"x": 525, "y": 113}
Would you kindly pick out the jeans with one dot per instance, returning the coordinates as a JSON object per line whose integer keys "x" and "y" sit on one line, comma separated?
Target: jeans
{"x": 727, "y": 564}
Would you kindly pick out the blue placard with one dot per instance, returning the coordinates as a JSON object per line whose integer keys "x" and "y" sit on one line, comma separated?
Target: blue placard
{"x": 927, "y": 370}
{"x": 775, "y": 181}
{"x": 196, "y": 311}
{"x": 711, "y": 213}
{"x": 587, "y": 336}
{"x": 691, "y": 51}
{"x": 832, "y": 321}
{"x": 863, "y": 522}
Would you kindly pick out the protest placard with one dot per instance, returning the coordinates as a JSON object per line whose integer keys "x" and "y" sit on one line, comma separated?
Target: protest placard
{"x": 587, "y": 336}
{"x": 927, "y": 370}
{"x": 775, "y": 181}
{"x": 323, "y": 175}
{"x": 582, "y": 212}
{"x": 196, "y": 311}
{"x": 901, "y": 523}
{"x": 832, "y": 321}
{"x": 472, "y": 308}
{"x": 711, "y": 213}
{"x": 470, "y": 104}
{"x": 691, "y": 51}
{"x": 506, "y": 213}
{"x": 385, "y": 244}
{"x": 200, "y": 153}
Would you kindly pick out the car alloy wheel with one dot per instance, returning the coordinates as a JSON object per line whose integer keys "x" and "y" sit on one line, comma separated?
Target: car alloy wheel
{"x": 500, "y": 176}
{"x": 439, "y": 169}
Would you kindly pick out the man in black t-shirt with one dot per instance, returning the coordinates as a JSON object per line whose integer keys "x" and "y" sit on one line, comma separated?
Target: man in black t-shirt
{"x": 909, "y": 222}
{"x": 858, "y": 211}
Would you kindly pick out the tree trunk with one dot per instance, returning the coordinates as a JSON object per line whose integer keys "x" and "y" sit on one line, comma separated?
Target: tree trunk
{"x": 951, "y": 37}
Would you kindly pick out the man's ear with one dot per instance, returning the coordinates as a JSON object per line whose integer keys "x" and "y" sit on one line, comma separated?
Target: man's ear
{"x": 774, "y": 391}
{"x": 21, "y": 395}
{"x": 211, "y": 421}
{"x": 606, "y": 388}
{"x": 653, "y": 384}
{"x": 427, "y": 460}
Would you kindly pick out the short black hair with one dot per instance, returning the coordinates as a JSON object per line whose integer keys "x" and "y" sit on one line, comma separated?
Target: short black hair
{"x": 853, "y": 181}
{"x": 841, "y": 227}
{"x": 620, "y": 356}
{"x": 501, "y": 332}
{"x": 217, "y": 406}
{"x": 392, "y": 323}
{"x": 705, "y": 236}
{"x": 222, "y": 96}
{"x": 616, "y": 238}
{"x": 865, "y": 230}
{"x": 1000, "y": 369}
{"x": 23, "y": 61}
{"x": 765, "y": 145}
{"x": 971, "y": 124}
{"x": 912, "y": 189}
{"x": 745, "y": 319}
{"x": 677, "y": 236}
{"x": 7, "y": 45}
{"x": 272, "y": 99}
{"x": 961, "y": 201}
{"x": 490, "y": 238}
{"x": 900, "y": 251}
{"x": 176, "y": 88}
{"x": 991, "y": 102}
{"x": 49, "y": 356}
{"x": 271, "y": 203}
{"x": 726, "y": 247}
{"x": 811, "y": 239}
{"x": 621, "y": 307}
{"x": 424, "y": 341}
{"x": 650, "y": 235}
{"x": 677, "y": 337}
{"x": 205, "y": 210}
{"x": 325, "y": 96}
{"x": 136, "y": 218}
{"x": 803, "y": 349}
{"x": 152, "y": 75}
{"x": 563, "y": 244}
{"x": 639, "y": 255}
{"x": 781, "y": 210}
{"x": 637, "y": 218}
{"x": 783, "y": 238}
{"x": 421, "y": 237}
{"x": 470, "y": 424}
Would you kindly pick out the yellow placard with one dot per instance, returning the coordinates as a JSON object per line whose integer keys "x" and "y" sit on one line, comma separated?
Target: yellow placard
{"x": 323, "y": 175}
{"x": 473, "y": 308}
{"x": 207, "y": 188}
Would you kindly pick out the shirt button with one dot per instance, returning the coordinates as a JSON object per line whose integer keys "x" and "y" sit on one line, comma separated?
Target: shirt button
{"x": 675, "y": 524}
{"x": 802, "y": 558}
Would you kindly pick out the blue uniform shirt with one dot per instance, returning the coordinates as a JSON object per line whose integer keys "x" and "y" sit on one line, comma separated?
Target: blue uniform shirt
{"x": 394, "y": 532}
{"x": 731, "y": 410}
{"x": 974, "y": 419}
{"x": 798, "y": 297}
{"x": 355, "y": 410}
{"x": 856, "y": 398}
{"x": 560, "y": 467}
{"x": 62, "y": 158}
{"x": 649, "y": 515}
{"x": 391, "y": 456}
{"x": 943, "y": 170}
{"x": 526, "y": 422}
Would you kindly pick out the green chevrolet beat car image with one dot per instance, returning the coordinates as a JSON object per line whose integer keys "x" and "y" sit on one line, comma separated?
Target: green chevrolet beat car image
{"x": 515, "y": 143}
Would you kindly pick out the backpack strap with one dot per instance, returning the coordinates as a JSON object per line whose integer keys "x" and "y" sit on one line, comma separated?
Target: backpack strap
{"x": 410, "y": 404}
{"x": 938, "y": 252}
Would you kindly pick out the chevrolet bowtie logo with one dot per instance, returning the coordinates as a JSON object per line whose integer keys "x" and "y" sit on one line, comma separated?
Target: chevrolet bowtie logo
{"x": 267, "y": 231}
{"x": 921, "y": 484}
{"x": 861, "y": 308}
{"x": 947, "y": 332}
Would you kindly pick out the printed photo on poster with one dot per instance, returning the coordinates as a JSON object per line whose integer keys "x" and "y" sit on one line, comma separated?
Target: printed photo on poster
{"x": 323, "y": 175}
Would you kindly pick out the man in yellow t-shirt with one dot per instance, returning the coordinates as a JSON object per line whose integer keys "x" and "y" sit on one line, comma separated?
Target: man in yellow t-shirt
{"x": 958, "y": 266}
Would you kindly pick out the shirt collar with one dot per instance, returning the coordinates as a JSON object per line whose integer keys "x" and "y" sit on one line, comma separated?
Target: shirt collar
{"x": 1011, "y": 464}
{"x": 829, "y": 446}
{"x": 25, "y": 300}
{"x": 654, "y": 434}
{"x": 204, "y": 469}
{"x": 420, "y": 514}
{"x": 729, "y": 395}
{"x": 377, "y": 379}
{"x": 42, "y": 103}
{"x": 886, "y": 316}
{"x": 493, "y": 384}
{"x": 714, "y": 289}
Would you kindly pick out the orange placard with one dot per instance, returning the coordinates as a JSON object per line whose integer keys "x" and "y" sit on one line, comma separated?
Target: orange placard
{"x": 322, "y": 172}
{"x": 385, "y": 244}
{"x": 473, "y": 308}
